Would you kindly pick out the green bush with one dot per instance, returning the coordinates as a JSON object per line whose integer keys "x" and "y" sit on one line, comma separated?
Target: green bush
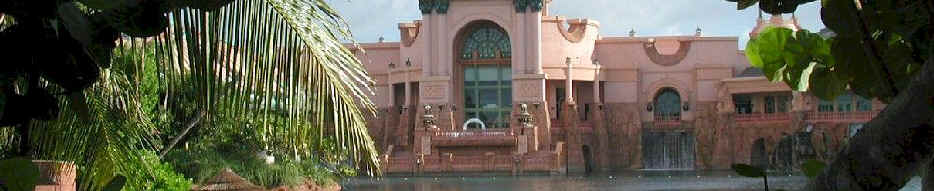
{"x": 151, "y": 174}
{"x": 203, "y": 163}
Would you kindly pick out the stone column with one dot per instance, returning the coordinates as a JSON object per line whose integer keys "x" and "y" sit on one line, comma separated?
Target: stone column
{"x": 534, "y": 50}
{"x": 575, "y": 153}
{"x": 405, "y": 120}
{"x": 430, "y": 49}
{"x": 446, "y": 58}
{"x": 568, "y": 83}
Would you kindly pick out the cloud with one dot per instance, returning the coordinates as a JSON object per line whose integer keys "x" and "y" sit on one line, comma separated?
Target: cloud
{"x": 371, "y": 18}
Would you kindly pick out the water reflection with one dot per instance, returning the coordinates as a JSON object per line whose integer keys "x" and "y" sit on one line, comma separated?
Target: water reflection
{"x": 639, "y": 180}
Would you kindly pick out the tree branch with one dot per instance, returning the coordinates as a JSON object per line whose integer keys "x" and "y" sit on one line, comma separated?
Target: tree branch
{"x": 893, "y": 146}
{"x": 873, "y": 49}
{"x": 188, "y": 127}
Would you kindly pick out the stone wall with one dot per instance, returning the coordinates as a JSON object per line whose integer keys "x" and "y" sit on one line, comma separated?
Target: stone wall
{"x": 623, "y": 126}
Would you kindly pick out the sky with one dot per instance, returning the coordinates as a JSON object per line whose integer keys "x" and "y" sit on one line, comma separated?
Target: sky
{"x": 370, "y": 19}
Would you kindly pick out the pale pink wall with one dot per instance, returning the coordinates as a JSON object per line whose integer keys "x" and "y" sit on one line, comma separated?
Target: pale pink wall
{"x": 556, "y": 47}
{"x": 375, "y": 60}
{"x": 625, "y": 68}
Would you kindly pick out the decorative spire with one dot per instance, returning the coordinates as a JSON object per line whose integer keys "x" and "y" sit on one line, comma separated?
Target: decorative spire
{"x": 632, "y": 32}
{"x": 698, "y": 31}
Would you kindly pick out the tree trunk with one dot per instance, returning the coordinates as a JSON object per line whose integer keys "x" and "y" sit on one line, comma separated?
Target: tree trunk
{"x": 893, "y": 146}
{"x": 188, "y": 127}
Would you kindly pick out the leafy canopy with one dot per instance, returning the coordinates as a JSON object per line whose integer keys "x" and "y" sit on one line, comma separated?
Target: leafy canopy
{"x": 878, "y": 45}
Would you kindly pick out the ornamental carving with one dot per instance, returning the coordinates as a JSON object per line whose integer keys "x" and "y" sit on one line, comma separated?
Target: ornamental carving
{"x": 523, "y": 5}
{"x": 435, "y": 92}
{"x": 528, "y": 91}
{"x": 525, "y": 118}
{"x": 439, "y": 6}
{"x": 486, "y": 43}
{"x": 409, "y": 32}
{"x": 651, "y": 50}
{"x": 428, "y": 120}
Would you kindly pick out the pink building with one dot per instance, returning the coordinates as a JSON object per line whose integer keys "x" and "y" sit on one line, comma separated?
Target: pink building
{"x": 596, "y": 103}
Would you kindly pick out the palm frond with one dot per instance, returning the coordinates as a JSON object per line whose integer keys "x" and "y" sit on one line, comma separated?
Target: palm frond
{"x": 280, "y": 67}
{"x": 103, "y": 145}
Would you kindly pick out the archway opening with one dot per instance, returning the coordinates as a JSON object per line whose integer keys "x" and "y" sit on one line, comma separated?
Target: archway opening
{"x": 484, "y": 74}
{"x": 667, "y": 105}
{"x": 588, "y": 159}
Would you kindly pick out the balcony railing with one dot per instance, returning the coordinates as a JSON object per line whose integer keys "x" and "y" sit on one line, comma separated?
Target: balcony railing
{"x": 855, "y": 116}
{"x": 762, "y": 117}
{"x": 471, "y": 134}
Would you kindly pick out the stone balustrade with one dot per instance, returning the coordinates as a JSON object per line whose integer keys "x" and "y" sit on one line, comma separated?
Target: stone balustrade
{"x": 762, "y": 117}
{"x": 841, "y": 117}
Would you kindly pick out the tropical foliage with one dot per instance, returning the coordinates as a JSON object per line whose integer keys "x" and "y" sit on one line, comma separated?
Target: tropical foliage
{"x": 880, "y": 49}
{"x": 117, "y": 81}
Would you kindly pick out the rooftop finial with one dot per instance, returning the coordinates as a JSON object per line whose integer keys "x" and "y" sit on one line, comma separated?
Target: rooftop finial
{"x": 632, "y": 32}
{"x": 381, "y": 39}
{"x": 698, "y": 31}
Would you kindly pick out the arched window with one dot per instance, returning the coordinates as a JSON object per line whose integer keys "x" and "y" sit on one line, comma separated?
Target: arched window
{"x": 667, "y": 105}
{"x": 487, "y": 75}
{"x": 486, "y": 43}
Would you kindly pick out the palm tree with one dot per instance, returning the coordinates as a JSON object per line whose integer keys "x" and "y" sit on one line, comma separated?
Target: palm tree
{"x": 265, "y": 61}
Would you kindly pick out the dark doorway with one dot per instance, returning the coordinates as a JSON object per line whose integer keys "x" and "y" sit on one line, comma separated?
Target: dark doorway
{"x": 559, "y": 101}
{"x": 588, "y": 159}
{"x": 758, "y": 156}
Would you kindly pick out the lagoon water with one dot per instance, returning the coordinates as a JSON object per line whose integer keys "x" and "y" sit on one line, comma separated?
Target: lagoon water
{"x": 639, "y": 180}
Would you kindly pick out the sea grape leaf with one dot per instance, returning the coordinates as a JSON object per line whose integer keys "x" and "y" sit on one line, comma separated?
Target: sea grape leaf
{"x": 789, "y": 56}
{"x": 841, "y": 15}
{"x": 826, "y": 84}
{"x": 19, "y": 174}
{"x": 748, "y": 170}
{"x": 767, "y": 51}
{"x": 743, "y": 4}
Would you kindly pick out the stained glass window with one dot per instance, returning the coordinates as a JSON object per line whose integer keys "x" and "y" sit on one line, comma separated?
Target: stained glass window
{"x": 487, "y": 86}
{"x": 486, "y": 43}
{"x": 668, "y": 105}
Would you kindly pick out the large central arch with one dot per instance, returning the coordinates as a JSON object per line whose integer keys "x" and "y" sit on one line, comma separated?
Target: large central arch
{"x": 483, "y": 73}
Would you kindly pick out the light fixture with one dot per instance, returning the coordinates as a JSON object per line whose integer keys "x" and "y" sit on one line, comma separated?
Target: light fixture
{"x": 648, "y": 107}
{"x": 686, "y": 106}
{"x": 408, "y": 61}
{"x": 392, "y": 65}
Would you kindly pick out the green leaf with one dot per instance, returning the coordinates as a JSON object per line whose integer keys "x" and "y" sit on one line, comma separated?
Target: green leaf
{"x": 813, "y": 167}
{"x": 743, "y": 4}
{"x": 19, "y": 174}
{"x": 803, "y": 79}
{"x": 840, "y": 15}
{"x": 748, "y": 170}
{"x": 767, "y": 51}
{"x": 116, "y": 184}
{"x": 826, "y": 84}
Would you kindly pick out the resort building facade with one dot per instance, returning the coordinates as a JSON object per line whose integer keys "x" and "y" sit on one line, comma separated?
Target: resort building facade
{"x": 500, "y": 86}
